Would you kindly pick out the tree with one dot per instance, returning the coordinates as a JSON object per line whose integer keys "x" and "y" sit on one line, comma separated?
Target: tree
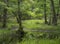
{"x": 20, "y": 30}
{"x": 5, "y": 14}
{"x": 45, "y": 16}
{"x": 49, "y": 23}
{"x": 58, "y": 11}
{"x": 59, "y": 8}
{"x": 54, "y": 17}
{"x": 0, "y": 18}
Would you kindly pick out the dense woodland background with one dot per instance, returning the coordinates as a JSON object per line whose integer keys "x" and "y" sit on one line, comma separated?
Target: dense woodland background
{"x": 29, "y": 21}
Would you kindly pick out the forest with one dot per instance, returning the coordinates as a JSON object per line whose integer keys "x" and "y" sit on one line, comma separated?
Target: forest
{"x": 29, "y": 21}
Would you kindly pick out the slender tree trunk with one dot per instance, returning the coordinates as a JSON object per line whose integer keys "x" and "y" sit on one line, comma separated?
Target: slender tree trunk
{"x": 45, "y": 15}
{"x": 49, "y": 20}
{"x": 5, "y": 15}
{"x": 0, "y": 18}
{"x": 59, "y": 10}
{"x": 54, "y": 17}
{"x": 20, "y": 31}
{"x": 4, "y": 18}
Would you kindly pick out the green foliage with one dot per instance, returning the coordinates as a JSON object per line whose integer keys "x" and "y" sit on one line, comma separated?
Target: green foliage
{"x": 30, "y": 9}
{"x": 33, "y": 8}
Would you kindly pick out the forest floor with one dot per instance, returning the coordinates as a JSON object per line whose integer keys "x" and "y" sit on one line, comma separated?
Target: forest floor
{"x": 35, "y": 27}
{"x": 32, "y": 25}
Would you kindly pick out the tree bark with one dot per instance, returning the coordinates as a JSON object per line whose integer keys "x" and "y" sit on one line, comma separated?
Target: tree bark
{"x": 20, "y": 30}
{"x": 5, "y": 15}
{"x": 0, "y": 18}
{"x": 59, "y": 10}
{"x": 54, "y": 17}
{"x": 49, "y": 20}
{"x": 4, "y": 18}
{"x": 45, "y": 15}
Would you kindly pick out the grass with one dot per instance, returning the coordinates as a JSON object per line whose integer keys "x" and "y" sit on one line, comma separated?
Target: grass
{"x": 38, "y": 24}
{"x": 6, "y": 36}
{"x": 31, "y": 25}
{"x": 40, "y": 41}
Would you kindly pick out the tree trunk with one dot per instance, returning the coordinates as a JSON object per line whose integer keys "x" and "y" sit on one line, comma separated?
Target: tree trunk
{"x": 45, "y": 15}
{"x": 5, "y": 15}
{"x": 54, "y": 17}
{"x": 0, "y": 18}
{"x": 59, "y": 10}
{"x": 20, "y": 30}
{"x": 49, "y": 20}
{"x": 4, "y": 18}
